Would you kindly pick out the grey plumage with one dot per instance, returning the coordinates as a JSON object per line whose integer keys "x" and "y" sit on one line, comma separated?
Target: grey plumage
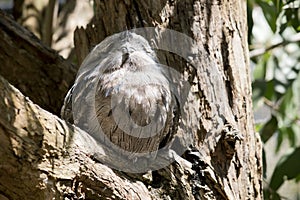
{"x": 123, "y": 91}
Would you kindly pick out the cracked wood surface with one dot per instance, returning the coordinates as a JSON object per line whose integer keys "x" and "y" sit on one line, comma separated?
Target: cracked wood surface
{"x": 42, "y": 157}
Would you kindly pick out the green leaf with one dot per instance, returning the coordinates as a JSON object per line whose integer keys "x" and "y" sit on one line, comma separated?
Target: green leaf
{"x": 249, "y": 19}
{"x": 270, "y": 12}
{"x": 287, "y": 131}
{"x": 278, "y": 4}
{"x": 269, "y": 129}
{"x": 291, "y": 135}
{"x": 264, "y": 160}
{"x": 273, "y": 195}
{"x": 297, "y": 179}
{"x": 258, "y": 90}
{"x": 261, "y": 67}
{"x": 296, "y": 128}
{"x": 286, "y": 106}
{"x": 293, "y": 16}
{"x": 288, "y": 114}
{"x": 288, "y": 167}
{"x": 270, "y": 90}
{"x": 279, "y": 140}
{"x": 289, "y": 19}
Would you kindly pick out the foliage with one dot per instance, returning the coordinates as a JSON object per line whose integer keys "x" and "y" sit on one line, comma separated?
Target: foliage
{"x": 275, "y": 54}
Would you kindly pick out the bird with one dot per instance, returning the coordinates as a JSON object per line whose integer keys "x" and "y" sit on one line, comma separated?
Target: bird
{"x": 123, "y": 96}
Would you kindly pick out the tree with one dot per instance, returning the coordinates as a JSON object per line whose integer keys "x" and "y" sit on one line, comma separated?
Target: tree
{"x": 54, "y": 159}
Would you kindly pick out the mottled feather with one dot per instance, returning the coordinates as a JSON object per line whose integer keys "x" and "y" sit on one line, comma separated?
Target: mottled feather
{"x": 133, "y": 100}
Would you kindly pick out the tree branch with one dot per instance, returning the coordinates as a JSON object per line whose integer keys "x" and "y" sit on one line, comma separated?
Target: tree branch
{"x": 38, "y": 71}
{"x": 42, "y": 156}
{"x": 258, "y": 52}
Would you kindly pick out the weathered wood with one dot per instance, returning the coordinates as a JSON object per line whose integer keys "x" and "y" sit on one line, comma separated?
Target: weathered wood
{"x": 42, "y": 157}
{"x": 219, "y": 106}
{"x": 38, "y": 71}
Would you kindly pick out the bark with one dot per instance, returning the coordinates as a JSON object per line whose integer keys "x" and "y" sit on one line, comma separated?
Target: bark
{"x": 219, "y": 107}
{"x": 42, "y": 155}
{"x": 38, "y": 71}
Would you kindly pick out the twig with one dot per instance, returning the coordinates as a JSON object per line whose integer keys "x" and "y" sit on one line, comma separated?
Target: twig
{"x": 261, "y": 51}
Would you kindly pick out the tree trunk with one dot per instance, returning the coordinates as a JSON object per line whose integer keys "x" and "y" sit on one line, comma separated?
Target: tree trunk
{"x": 219, "y": 106}
{"x": 42, "y": 155}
